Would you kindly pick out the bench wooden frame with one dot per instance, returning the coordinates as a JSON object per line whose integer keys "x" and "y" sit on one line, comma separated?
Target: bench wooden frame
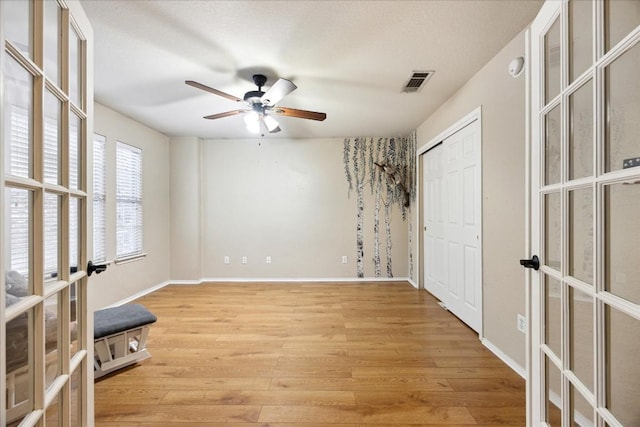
{"x": 121, "y": 349}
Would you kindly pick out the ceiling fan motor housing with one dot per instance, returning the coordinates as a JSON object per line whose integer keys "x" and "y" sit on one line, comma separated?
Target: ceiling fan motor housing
{"x": 253, "y": 96}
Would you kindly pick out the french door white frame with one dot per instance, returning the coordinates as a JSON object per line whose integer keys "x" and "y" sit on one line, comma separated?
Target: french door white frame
{"x": 41, "y": 395}
{"x": 537, "y": 108}
{"x": 475, "y": 115}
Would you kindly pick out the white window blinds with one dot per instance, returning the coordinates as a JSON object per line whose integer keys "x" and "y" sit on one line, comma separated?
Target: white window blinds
{"x": 99, "y": 198}
{"x": 128, "y": 201}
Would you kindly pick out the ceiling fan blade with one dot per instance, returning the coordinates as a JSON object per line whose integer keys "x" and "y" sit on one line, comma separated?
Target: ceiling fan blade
{"x": 225, "y": 114}
{"x": 212, "y": 90}
{"x": 301, "y": 114}
{"x": 279, "y": 90}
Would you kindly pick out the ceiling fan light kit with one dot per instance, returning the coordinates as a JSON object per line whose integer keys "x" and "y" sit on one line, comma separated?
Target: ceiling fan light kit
{"x": 252, "y": 122}
{"x": 262, "y": 105}
{"x": 272, "y": 124}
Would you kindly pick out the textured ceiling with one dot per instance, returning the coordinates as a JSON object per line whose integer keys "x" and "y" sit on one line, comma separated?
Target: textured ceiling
{"x": 349, "y": 59}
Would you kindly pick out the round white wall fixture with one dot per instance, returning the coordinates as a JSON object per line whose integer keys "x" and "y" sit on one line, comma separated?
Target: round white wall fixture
{"x": 516, "y": 67}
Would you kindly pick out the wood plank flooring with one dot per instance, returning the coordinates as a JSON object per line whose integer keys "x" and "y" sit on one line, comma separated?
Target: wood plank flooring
{"x": 289, "y": 354}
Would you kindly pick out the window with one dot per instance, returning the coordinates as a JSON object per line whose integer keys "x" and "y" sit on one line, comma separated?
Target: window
{"x": 99, "y": 198}
{"x": 128, "y": 201}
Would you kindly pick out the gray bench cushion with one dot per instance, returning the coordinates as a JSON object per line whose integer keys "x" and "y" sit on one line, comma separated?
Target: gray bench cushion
{"x": 118, "y": 319}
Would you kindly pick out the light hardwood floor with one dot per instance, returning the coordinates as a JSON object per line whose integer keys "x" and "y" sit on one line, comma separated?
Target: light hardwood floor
{"x": 288, "y": 354}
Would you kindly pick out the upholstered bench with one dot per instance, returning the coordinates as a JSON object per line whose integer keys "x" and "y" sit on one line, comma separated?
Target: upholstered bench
{"x": 120, "y": 337}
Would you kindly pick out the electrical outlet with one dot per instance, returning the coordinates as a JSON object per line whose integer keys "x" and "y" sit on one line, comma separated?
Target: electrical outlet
{"x": 633, "y": 162}
{"x": 522, "y": 323}
{"x": 244, "y": 259}
{"x": 226, "y": 260}
{"x": 344, "y": 259}
{"x": 268, "y": 260}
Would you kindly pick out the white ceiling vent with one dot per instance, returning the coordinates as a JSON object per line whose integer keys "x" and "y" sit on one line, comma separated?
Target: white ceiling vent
{"x": 416, "y": 81}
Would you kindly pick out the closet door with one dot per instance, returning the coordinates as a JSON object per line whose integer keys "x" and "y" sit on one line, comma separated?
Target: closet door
{"x": 452, "y": 218}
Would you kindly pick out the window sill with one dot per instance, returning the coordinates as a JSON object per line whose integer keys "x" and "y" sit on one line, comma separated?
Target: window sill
{"x": 130, "y": 258}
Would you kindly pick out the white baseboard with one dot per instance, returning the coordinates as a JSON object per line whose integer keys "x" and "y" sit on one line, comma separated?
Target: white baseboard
{"x": 302, "y": 279}
{"x": 412, "y": 283}
{"x": 185, "y": 282}
{"x": 506, "y": 359}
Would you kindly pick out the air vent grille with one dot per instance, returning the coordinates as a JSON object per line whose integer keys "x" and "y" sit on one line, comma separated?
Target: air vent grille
{"x": 416, "y": 81}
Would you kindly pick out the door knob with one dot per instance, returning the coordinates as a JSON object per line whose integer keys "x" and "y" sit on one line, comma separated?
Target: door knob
{"x": 97, "y": 268}
{"x": 534, "y": 262}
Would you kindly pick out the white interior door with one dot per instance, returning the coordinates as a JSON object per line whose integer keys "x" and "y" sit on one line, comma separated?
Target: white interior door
{"x": 585, "y": 198}
{"x": 452, "y": 219}
{"x": 435, "y": 206}
{"x": 46, "y": 369}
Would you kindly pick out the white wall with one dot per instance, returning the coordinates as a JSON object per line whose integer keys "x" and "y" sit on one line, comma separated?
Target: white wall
{"x": 185, "y": 167}
{"x": 121, "y": 281}
{"x": 503, "y": 181}
{"x": 287, "y": 199}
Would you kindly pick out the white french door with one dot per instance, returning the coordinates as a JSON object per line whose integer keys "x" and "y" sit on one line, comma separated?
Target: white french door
{"x": 46, "y": 369}
{"x": 585, "y": 198}
{"x": 452, "y": 221}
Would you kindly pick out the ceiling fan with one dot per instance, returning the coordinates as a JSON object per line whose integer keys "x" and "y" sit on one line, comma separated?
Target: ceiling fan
{"x": 261, "y": 105}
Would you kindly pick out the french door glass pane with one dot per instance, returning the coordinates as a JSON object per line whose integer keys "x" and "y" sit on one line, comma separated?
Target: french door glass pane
{"x": 75, "y": 80}
{"x": 622, "y": 236}
{"x": 581, "y": 132}
{"x": 18, "y": 241}
{"x": 581, "y": 409}
{"x": 75, "y": 137}
{"x": 581, "y": 336}
{"x": 74, "y": 229}
{"x": 553, "y": 394}
{"x": 53, "y": 415}
{"x": 20, "y": 373}
{"x": 580, "y": 37}
{"x": 16, "y": 22}
{"x": 552, "y": 227}
{"x": 581, "y": 234}
{"x": 621, "y": 16}
{"x": 52, "y": 34}
{"x": 51, "y": 235}
{"x": 622, "y": 373}
{"x": 622, "y": 97}
{"x": 552, "y": 62}
{"x": 18, "y": 95}
{"x": 552, "y": 310}
{"x": 73, "y": 326}
{"x": 552, "y": 147}
{"x": 51, "y": 334}
{"x": 52, "y": 128}
{"x": 76, "y": 397}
